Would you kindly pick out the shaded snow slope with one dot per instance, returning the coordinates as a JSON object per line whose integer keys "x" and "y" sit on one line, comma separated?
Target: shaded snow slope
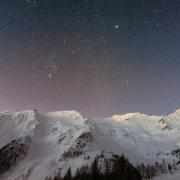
{"x": 65, "y": 138}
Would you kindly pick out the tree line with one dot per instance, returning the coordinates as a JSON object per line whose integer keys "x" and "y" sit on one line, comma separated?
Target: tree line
{"x": 115, "y": 168}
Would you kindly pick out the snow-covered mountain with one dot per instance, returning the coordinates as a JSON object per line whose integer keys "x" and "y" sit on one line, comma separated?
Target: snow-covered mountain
{"x": 34, "y": 145}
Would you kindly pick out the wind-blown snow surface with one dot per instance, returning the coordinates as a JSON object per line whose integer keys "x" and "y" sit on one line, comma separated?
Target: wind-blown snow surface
{"x": 63, "y": 139}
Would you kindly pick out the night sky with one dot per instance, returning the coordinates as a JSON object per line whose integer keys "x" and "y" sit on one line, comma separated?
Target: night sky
{"x": 100, "y": 57}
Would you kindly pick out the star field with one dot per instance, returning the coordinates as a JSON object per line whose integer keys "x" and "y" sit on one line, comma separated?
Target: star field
{"x": 100, "y": 57}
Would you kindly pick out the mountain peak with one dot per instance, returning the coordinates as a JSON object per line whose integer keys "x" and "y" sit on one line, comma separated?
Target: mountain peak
{"x": 67, "y": 114}
{"x": 177, "y": 111}
{"x": 124, "y": 116}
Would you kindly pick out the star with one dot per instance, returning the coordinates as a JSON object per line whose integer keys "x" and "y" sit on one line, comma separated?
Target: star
{"x": 116, "y": 26}
{"x": 52, "y": 69}
{"x": 50, "y": 75}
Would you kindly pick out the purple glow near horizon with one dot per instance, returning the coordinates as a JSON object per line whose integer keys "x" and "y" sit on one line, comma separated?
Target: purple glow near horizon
{"x": 97, "y": 57}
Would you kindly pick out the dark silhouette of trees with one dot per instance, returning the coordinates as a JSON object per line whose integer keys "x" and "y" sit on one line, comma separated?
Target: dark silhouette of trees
{"x": 13, "y": 152}
{"x": 119, "y": 168}
{"x": 115, "y": 168}
{"x": 68, "y": 175}
{"x": 150, "y": 171}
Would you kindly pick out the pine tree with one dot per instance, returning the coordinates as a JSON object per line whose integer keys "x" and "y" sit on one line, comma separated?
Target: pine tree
{"x": 68, "y": 175}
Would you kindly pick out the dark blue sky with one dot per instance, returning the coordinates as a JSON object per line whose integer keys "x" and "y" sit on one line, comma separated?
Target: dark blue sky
{"x": 100, "y": 57}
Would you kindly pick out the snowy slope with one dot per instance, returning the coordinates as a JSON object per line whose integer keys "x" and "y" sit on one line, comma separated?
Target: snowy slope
{"x": 65, "y": 138}
{"x": 16, "y": 125}
{"x": 138, "y": 136}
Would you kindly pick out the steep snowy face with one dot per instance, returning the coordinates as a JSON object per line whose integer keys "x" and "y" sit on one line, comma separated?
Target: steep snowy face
{"x": 172, "y": 121}
{"x": 14, "y": 125}
{"x": 55, "y": 139}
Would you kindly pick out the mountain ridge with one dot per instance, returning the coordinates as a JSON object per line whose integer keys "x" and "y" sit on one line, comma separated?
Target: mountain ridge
{"x": 64, "y": 139}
